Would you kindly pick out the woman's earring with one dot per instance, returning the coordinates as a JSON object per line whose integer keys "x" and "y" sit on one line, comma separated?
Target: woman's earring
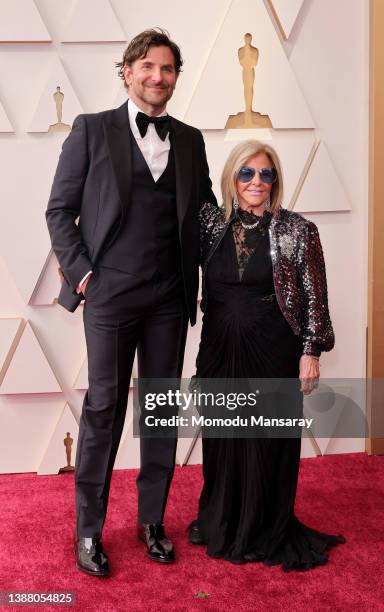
{"x": 268, "y": 204}
{"x": 235, "y": 203}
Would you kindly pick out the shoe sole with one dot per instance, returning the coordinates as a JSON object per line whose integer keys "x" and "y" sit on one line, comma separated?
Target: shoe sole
{"x": 196, "y": 542}
{"x": 160, "y": 560}
{"x": 142, "y": 539}
{"x": 90, "y": 573}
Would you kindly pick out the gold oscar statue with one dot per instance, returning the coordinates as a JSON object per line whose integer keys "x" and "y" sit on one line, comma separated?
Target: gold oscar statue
{"x": 68, "y": 441}
{"x": 248, "y": 58}
{"x": 58, "y": 97}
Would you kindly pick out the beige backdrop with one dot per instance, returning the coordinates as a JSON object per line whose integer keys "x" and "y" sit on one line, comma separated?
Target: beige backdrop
{"x": 311, "y": 79}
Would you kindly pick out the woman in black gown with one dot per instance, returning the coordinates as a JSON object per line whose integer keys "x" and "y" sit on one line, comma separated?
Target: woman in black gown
{"x": 265, "y": 316}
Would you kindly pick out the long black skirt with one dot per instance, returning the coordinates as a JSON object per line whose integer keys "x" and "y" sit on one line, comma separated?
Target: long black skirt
{"x": 246, "y": 507}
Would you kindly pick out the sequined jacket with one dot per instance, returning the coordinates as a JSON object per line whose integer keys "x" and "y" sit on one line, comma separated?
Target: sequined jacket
{"x": 298, "y": 272}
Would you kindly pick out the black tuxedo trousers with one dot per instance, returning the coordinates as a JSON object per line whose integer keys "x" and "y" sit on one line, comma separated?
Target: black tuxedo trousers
{"x": 122, "y": 313}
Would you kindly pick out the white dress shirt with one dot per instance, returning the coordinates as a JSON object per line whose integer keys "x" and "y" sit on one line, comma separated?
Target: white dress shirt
{"x": 155, "y": 151}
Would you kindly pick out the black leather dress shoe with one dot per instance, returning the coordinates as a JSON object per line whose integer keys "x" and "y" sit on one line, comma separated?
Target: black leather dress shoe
{"x": 90, "y": 557}
{"x": 159, "y": 547}
{"x": 194, "y": 534}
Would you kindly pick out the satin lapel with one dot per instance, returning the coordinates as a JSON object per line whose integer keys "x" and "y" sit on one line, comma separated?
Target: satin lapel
{"x": 118, "y": 137}
{"x": 182, "y": 151}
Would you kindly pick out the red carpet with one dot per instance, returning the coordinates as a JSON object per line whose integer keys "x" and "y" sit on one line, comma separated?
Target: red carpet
{"x": 337, "y": 494}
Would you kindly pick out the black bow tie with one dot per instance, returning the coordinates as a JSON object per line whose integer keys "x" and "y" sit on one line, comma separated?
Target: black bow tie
{"x": 161, "y": 124}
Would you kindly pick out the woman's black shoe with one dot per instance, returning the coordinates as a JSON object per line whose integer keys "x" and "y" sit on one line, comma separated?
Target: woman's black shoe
{"x": 194, "y": 534}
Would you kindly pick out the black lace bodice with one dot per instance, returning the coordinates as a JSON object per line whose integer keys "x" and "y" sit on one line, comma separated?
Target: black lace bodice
{"x": 246, "y": 240}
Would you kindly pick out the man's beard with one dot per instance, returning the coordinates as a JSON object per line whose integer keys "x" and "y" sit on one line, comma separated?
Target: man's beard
{"x": 157, "y": 102}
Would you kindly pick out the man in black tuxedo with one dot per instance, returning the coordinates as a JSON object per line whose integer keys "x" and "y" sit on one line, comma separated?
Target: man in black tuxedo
{"x": 136, "y": 178}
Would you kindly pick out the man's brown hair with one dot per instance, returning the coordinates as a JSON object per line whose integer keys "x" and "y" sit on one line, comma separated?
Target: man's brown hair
{"x": 139, "y": 46}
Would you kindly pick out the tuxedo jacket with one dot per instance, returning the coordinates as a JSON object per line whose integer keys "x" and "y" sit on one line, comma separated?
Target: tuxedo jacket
{"x": 90, "y": 197}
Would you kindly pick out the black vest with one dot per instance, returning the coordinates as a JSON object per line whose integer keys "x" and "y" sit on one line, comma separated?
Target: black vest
{"x": 148, "y": 242}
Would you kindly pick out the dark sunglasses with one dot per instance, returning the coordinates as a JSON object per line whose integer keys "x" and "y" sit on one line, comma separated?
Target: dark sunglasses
{"x": 267, "y": 175}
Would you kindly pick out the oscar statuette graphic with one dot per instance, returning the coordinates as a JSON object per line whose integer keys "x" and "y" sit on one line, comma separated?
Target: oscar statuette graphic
{"x": 248, "y": 58}
{"x": 58, "y": 97}
{"x": 68, "y": 441}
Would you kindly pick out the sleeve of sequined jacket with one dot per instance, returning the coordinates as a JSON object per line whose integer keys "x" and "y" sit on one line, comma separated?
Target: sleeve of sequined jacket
{"x": 317, "y": 332}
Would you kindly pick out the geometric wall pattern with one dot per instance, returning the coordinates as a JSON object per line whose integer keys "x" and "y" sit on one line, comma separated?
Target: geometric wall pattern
{"x": 10, "y": 334}
{"x": 286, "y": 14}
{"x": 20, "y": 21}
{"x": 27, "y": 423}
{"x": 102, "y": 27}
{"x": 28, "y": 167}
{"x": 49, "y": 283}
{"x": 29, "y": 370}
{"x": 5, "y": 124}
{"x": 208, "y": 91}
{"x": 81, "y": 381}
{"x": 321, "y": 190}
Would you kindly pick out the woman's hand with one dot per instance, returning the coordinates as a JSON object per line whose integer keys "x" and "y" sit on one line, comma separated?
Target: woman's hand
{"x": 309, "y": 373}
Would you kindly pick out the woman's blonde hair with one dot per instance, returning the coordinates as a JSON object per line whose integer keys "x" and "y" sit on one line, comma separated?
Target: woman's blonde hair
{"x": 238, "y": 158}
